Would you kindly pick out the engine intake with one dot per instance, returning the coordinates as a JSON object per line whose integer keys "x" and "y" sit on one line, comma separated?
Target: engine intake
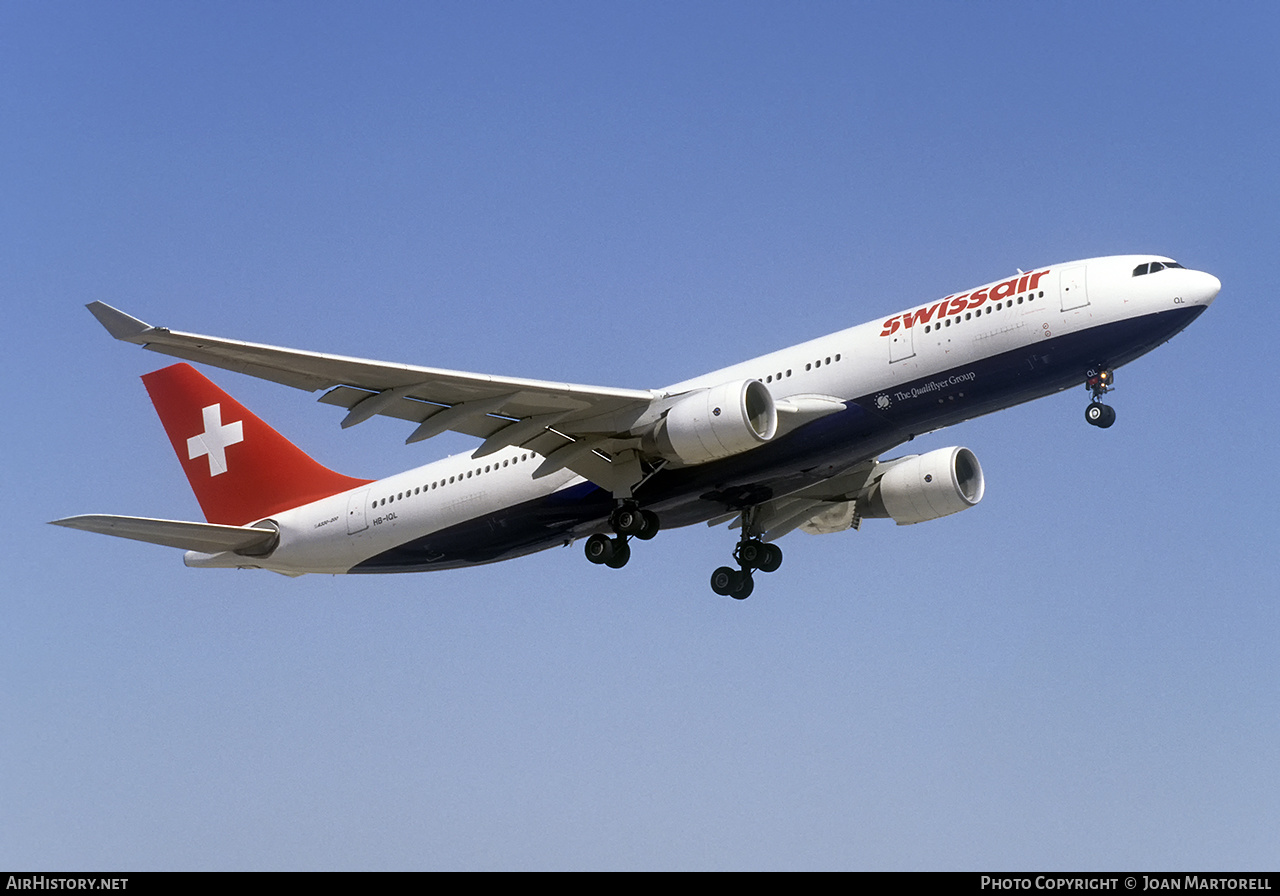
{"x": 926, "y": 486}
{"x": 714, "y": 423}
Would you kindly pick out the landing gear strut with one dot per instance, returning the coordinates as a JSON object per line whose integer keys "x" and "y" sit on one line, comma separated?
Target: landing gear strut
{"x": 1097, "y": 413}
{"x": 751, "y": 554}
{"x": 626, "y": 520}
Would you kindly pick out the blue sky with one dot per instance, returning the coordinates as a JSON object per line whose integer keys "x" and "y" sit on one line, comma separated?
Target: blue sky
{"x": 1080, "y": 673}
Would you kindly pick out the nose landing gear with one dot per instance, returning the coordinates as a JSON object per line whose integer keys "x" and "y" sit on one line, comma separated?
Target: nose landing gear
{"x": 1097, "y": 413}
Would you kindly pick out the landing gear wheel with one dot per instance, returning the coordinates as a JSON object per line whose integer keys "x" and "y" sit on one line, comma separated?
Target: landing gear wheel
{"x": 725, "y": 580}
{"x": 599, "y": 548}
{"x": 730, "y": 582}
{"x": 751, "y": 553}
{"x": 772, "y": 558}
{"x": 1100, "y": 415}
{"x": 650, "y": 527}
{"x": 621, "y": 554}
{"x": 755, "y": 554}
{"x": 627, "y": 519}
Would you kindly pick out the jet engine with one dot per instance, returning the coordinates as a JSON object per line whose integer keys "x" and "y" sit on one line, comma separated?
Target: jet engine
{"x": 925, "y": 487}
{"x": 714, "y": 423}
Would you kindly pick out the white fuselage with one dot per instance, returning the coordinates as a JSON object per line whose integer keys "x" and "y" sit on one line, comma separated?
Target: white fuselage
{"x": 910, "y": 362}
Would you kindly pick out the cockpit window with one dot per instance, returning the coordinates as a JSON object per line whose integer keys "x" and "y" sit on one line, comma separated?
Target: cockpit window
{"x": 1152, "y": 267}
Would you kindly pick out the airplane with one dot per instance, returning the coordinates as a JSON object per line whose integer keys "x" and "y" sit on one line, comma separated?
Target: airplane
{"x": 789, "y": 440}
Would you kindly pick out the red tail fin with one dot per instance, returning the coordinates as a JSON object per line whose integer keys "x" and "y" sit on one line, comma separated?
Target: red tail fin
{"x": 239, "y": 467}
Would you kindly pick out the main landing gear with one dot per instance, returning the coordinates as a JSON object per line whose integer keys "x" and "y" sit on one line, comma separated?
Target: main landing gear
{"x": 1097, "y": 413}
{"x": 627, "y": 520}
{"x": 751, "y": 554}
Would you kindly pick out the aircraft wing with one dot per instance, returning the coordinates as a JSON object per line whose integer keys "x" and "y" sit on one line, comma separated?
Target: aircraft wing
{"x": 780, "y": 516}
{"x": 208, "y": 538}
{"x": 584, "y": 428}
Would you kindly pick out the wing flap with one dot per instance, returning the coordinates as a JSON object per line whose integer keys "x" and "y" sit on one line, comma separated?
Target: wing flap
{"x": 411, "y": 409}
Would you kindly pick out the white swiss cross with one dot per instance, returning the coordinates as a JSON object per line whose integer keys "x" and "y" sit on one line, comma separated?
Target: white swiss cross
{"x": 215, "y": 439}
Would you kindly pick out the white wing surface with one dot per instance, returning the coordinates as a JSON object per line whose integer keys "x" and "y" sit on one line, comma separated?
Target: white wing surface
{"x": 583, "y": 428}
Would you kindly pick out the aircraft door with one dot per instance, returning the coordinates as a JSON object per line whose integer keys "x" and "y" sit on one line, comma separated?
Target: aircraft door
{"x": 357, "y": 518}
{"x": 901, "y": 345}
{"x": 1072, "y": 288}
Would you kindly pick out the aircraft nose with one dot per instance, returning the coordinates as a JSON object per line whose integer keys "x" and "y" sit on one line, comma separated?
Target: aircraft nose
{"x": 1205, "y": 288}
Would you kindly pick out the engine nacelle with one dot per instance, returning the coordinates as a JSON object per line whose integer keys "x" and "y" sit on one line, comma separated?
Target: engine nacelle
{"x": 927, "y": 486}
{"x": 714, "y": 423}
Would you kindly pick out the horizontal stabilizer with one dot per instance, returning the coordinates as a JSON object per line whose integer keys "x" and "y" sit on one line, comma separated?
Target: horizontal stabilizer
{"x": 206, "y": 537}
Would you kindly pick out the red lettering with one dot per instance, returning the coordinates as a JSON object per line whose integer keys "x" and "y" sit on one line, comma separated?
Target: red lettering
{"x": 1004, "y": 290}
{"x": 922, "y": 315}
{"x": 957, "y": 303}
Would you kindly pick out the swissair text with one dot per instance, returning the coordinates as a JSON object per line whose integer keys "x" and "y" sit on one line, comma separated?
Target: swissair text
{"x": 964, "y": 301}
